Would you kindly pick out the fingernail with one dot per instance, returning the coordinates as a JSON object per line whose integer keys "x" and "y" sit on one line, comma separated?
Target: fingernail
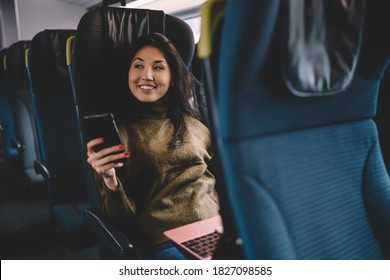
{"x": 101, "y": 139}
{"x": 120, "y": 147}
{"x": 127, "y": 154}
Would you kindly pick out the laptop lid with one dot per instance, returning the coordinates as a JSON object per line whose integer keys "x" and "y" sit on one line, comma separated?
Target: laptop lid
{"x": 198, "y": 239}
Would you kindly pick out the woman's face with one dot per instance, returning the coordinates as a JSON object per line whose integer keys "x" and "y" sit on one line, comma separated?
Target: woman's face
{"x": 149, "y": 75}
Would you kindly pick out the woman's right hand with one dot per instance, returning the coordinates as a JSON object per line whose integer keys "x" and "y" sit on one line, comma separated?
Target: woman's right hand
{"x": 103, "y": 161}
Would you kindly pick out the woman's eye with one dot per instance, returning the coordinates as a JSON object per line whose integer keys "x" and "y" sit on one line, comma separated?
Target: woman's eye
{"x": 158, "y": 68}
{"x": 138, "y": 66}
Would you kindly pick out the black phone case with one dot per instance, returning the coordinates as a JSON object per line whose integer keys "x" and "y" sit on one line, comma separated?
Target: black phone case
{"x": 103, "y": 125}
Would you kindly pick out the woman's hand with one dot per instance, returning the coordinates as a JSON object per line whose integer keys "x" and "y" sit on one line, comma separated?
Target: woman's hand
{"x": 103, "y": 161}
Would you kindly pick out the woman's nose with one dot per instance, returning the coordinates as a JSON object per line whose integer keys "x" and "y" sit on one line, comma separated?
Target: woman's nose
{"x": 147, "y": 74}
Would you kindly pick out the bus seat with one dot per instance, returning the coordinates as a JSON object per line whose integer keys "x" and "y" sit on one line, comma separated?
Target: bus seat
{"x": 206, "y": 65}
{"x": 62, "y": 163}
{"x": 199, "y": 101}
{"x": 296, "y": 100}
{"x": 7, "y": 122}
{"x": 383, "y": 116}
{"x": 112, "y": 242}
{"x": 100, "y": 66}
{"x": 26, "y": 140}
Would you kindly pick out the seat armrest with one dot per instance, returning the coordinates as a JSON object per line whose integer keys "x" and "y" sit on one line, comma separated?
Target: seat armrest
{"x": 229, "y": 248}
{"x": 42, "y": 169}
{"x": 116, "y": 244}
{"x": 17, "y": 144}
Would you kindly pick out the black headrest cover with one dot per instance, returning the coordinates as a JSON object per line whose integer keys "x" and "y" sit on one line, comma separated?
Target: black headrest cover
{"x": 47, "y": 62}
{"x": 16, "y": 65}
{"x": 3, "y": 53}
{"x": 322, "y": 45}
{"x": 102, "y": 52}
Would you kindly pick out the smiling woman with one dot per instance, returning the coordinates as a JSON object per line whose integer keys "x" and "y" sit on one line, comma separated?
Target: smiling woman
{"x": 167, "y": 141}
{"x": 299, "y": 170}
{"x": 27, "y": 230}
{"x": 149, "y": 75}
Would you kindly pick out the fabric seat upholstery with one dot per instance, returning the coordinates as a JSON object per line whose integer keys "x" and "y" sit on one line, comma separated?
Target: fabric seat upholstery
{"x": 305, "y": 175}
{"x": 58, "y": 130}
{"x": 7, "y": 122}
{"x": 26, "y": 141}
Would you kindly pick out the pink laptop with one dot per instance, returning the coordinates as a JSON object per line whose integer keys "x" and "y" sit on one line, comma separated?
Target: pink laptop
{"x": 200, "y": 238}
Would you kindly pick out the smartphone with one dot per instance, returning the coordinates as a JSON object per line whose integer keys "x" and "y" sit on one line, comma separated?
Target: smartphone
{"x": 103, "y": 125}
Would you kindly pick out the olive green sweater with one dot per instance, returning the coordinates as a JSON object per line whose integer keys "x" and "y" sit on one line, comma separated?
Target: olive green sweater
{"x": 166, "y": 187}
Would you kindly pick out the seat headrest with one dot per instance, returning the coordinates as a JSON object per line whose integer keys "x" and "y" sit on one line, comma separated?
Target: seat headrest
{"x": 321, "y": 45}
{"x": 255, "y": 99}
{"x": 4, "y": 86}
{"x": 47, "y": 62}
{"x": 3, "y": 56}
{"x": 16, "y": 65}
{"x": 102, "y": 50}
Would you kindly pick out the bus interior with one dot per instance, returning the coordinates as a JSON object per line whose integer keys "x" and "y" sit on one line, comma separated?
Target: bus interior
{"x": 294, "y": 93}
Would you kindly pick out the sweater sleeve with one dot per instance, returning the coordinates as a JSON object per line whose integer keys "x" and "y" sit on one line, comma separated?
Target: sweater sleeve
{"x": 116, "y": 204}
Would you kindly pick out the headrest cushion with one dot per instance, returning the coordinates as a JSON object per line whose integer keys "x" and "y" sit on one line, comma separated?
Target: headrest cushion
{"x": 102, "y": 54}
{"x": 47, "y": 62}
{"x": 16, "y": 65}
{"x": 321, "y": 45}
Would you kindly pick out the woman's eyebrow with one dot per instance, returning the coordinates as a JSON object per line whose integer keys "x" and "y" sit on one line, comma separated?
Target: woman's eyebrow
{"x": 160, "y": 61}
{"x": 138, "y": 58}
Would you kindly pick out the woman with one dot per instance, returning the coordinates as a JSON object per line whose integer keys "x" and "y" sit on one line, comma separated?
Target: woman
{"x": 168, "y": 183}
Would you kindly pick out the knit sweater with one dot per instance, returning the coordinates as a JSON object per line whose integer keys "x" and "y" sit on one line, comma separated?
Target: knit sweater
{"x": 166, "y": 187}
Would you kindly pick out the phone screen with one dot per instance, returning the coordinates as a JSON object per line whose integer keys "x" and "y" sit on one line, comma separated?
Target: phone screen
{"x": 102, "y": 125}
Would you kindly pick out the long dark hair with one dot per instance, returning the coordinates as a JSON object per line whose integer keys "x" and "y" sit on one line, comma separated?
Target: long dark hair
{"x": 185, "y": 87}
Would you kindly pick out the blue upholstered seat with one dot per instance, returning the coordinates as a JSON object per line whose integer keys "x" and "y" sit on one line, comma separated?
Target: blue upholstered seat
{"x": 26, "y": 140}
{"x": 62, "y": 162}
{"x": 305, "y": 175}
{"x": 7, "y": 122}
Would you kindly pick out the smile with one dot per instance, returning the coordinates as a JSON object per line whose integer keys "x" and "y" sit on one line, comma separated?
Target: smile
{"x": 147, "y": 87}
